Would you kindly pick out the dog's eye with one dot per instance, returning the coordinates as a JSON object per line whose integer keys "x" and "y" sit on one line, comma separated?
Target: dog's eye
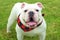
{"x": 25, "y": 10}
{"x": 37, "y": 10}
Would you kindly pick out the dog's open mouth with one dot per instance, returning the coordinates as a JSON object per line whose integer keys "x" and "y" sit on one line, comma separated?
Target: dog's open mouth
{"x": 31, "y": 22}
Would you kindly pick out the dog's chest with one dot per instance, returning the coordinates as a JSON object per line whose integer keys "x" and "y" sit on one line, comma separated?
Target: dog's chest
{"x": 34, "y": 32}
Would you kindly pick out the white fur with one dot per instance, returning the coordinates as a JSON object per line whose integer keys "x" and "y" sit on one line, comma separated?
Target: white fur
{"x": 16, "y": 10}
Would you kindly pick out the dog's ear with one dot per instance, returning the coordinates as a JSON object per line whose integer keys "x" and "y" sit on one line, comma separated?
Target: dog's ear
{"x": 23, "y": 5}
{"x": 40, "y": 5}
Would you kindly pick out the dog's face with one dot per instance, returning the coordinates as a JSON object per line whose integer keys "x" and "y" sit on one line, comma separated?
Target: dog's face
{"x": 31, "y": 14}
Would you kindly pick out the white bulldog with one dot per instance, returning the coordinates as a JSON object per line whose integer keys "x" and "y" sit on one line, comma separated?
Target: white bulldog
{"x": 30, "y": 21}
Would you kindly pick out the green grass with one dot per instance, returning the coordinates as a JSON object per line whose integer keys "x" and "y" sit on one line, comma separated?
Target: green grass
{"x": 52, "y": 17}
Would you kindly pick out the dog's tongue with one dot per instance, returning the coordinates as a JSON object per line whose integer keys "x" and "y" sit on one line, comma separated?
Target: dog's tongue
{"x": 31, "y": 23}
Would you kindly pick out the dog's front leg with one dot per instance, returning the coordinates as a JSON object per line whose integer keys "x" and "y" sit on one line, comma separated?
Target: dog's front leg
{"x": 19, "y": 33}
{"x": 12, "y": 18}
{"x": 19, "y": 36}
{"x": 42, "y": 36}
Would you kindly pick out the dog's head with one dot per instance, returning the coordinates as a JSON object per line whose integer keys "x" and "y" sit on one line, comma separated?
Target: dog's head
{"x": 31, "y": 14}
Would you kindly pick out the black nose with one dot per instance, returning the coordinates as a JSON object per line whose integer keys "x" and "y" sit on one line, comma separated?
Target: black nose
{"x": 31, "y": 13}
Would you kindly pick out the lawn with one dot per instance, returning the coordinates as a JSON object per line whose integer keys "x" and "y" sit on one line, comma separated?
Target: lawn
{"x": 52, "y": 17}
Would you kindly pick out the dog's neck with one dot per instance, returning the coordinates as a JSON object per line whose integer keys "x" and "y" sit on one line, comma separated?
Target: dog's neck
{"x": 25, "y": 28}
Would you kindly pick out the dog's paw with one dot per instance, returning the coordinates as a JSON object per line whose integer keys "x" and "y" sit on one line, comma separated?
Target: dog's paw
{"x": 8, "y": 31}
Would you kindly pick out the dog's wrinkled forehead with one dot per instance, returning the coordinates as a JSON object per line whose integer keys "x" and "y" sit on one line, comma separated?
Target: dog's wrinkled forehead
{"x": 32, "y": 6}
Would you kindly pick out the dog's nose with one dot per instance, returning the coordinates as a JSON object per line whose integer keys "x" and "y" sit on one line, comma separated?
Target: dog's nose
{"x": 31, "y": 13}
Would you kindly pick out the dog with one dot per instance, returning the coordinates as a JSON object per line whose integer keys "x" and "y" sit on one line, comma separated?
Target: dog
{"x": 30, "y": 21}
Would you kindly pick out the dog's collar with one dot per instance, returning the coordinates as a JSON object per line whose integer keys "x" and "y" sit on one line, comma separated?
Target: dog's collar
{"x": 24, "y": 28}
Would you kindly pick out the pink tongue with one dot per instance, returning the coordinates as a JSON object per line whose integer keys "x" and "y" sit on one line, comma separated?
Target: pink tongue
{"x": 31, "y": 23}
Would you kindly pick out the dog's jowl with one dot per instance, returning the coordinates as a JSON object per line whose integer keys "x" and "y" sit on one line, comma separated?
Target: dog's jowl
{"x": 30, "y": 21}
